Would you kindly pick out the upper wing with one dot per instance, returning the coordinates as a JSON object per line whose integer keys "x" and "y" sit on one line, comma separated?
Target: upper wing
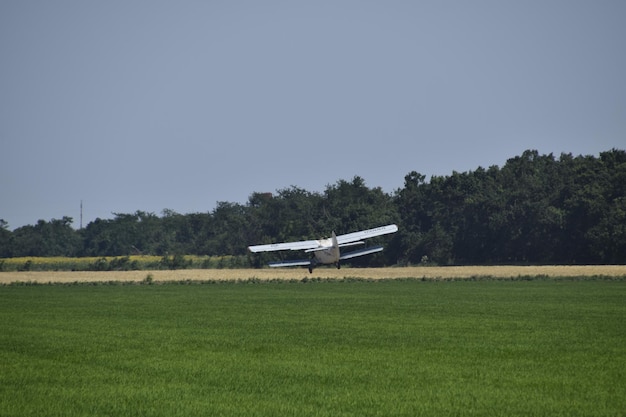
{"x": 365, "y": 234}
{"x": 302, "y": 245}
{"x": 342, "y": 240}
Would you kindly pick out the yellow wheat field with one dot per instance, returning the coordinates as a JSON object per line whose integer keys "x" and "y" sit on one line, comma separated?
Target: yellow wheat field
{"x": 432, "y": 272}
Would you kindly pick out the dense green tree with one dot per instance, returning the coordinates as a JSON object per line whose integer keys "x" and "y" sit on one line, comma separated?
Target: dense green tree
{"x": 227, "y": 234}
{"x": 350, "y": 206}
{"x": 53, "y": 238}
{"x": 6, "y": 240}
{"x": 535, "y": 209}
{"x": 411, "y": 208}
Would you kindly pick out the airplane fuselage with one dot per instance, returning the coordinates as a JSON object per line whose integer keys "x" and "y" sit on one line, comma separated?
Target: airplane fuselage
{"x": 330, "y": 254}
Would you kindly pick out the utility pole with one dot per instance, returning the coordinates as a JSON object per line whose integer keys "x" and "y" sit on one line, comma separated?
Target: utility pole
{"x": 81, "y": 214}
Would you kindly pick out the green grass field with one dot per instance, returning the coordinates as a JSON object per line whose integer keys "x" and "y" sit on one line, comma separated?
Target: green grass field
{"x": 380, "y": 348}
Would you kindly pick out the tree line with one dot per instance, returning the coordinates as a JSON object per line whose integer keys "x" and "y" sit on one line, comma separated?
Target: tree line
{"x": 536, "y": 209}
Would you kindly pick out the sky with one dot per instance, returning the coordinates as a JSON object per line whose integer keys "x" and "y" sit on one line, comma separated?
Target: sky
{"x": 132, "y": 105}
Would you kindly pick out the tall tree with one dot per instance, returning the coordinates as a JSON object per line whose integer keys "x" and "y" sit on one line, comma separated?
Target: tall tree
{"x": 6, "y": 240}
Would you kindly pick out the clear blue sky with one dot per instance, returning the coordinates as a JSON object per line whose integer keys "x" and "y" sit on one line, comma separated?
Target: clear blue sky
{"x": 146, "y": 105}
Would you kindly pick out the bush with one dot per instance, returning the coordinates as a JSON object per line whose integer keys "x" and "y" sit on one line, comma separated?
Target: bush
{"x": 123, "y": 264}
{"x": 175, "y": 262}
{"x": 27, "y": 266}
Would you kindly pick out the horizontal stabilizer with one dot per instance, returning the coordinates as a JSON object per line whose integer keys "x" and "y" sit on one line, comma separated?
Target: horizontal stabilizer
{"x": 302, "y": 262}
{"x": 360, "y": 242}
{"x": 316, "y": 249}
{"x": 361, "y": 252}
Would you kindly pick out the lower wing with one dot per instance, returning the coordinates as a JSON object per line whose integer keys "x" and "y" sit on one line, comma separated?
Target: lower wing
{"x": 303, "y": 262}
{"x": 306, "y": 262}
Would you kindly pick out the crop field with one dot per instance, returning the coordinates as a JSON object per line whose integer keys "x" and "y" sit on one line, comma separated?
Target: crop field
{"x": 540, "y": 347}
{"x": 290, "y": 274}
{"x": 119, "y": 263}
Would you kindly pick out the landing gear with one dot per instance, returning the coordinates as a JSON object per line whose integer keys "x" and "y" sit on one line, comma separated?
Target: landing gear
{"x": 338, "y": 265}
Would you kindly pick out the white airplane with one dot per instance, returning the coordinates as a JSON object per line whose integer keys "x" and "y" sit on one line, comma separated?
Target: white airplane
{"x": 327, "y": 251}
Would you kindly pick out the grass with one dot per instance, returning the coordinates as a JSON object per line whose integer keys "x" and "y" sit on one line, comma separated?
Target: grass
{"x": 335, "y": 348}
